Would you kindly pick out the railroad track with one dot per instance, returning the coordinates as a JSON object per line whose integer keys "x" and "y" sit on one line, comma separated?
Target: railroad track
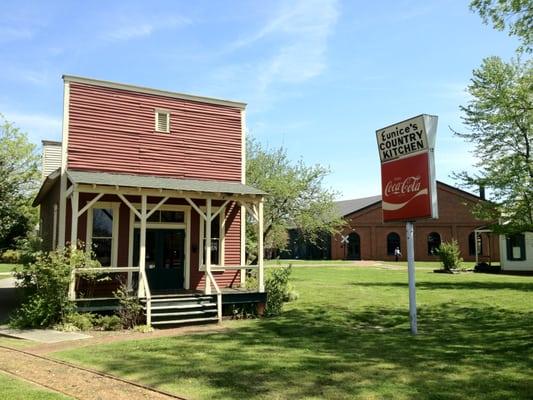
{"x": 145, "y": 392}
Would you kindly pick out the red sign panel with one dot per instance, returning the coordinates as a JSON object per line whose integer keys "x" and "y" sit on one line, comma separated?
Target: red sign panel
{"x": 406, "y": 188}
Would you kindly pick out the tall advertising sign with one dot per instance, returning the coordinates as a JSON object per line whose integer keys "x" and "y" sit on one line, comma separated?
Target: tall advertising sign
{"x": 408, "y": 185}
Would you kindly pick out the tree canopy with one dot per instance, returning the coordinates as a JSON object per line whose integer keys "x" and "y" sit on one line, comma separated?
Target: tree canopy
{"x": 500, "y": 118}
{"x": 19, "y": 178}
{"x": 515, "y": 15}
{"x": 296, "y": 197}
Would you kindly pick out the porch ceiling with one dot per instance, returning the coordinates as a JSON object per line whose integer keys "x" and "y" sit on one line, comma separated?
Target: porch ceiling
{"x": 154, "y": 182}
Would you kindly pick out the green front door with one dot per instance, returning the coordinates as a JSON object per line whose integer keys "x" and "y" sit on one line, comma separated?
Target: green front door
{"x": 165, "y": 255}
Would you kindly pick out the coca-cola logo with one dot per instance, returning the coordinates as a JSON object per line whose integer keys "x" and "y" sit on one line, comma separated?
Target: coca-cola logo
{"x": 411, "y": 184}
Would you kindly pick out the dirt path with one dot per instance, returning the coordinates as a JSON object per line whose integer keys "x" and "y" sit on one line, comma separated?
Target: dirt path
{"x": 79, "y": 383}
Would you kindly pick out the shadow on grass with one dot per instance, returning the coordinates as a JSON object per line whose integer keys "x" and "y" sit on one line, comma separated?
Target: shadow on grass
{"x": 522, "y": 286}
{"x": 317, "y": 352}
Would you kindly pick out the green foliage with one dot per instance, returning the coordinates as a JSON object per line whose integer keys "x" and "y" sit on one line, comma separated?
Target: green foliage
{"x": 450, "y": 255}
{"x": 88, "y": 321}
{"x": 500, "y": 118}
{"x": 10, "y": 257}
{"x": 19, "y": 180}
{"x": 108, "y": 322}
{"x": 130, "y": 312}
{"x": 46, "y": 281}
{"x": 82, "y": 321}
{"x": 296, "y": 197}
{"x": 516, "y": 15}
{"x": 277, "y": 288}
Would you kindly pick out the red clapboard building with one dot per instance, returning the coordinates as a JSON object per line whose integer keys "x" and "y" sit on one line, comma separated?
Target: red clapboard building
{"x": 369, "y": 238}
{"x": 153, "y": 182}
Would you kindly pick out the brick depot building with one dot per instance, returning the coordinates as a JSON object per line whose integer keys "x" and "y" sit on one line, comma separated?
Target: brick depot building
{"x": 371, "y": 239}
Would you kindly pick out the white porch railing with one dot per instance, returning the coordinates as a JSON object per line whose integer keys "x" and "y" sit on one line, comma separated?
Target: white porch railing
{"x": 146, "y": 293}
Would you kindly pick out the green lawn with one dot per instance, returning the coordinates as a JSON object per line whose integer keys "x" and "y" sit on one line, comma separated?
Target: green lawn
{"x": 7, "y": 267}
{"x": 15, "y": 389}
{"x": 347, "y": 337}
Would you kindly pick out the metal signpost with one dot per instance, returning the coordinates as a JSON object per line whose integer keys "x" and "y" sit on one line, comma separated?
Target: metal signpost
{"x": 408, "y": 185}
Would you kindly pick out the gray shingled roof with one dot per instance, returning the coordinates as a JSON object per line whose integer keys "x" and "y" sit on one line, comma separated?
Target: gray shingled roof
{"x": 155, "y": 182}
{"x": 148, "y": 182}
{"x": 346, "y": 207}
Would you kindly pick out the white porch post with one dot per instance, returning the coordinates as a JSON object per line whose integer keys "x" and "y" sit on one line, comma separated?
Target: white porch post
{"x": 74, "y": 199}
{"x": 73, "y": 240}
{"x": 142, "y": 247}
{"x": 260, "y": 247}
{"x": 243, "y": 244}
{"x": 207, "y": 249}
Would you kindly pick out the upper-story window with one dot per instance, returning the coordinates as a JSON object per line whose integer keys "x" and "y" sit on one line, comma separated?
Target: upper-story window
{"x": 162, "y": 121}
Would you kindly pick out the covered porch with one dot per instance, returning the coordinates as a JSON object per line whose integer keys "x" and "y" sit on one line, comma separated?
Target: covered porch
{"x": 171, "y": 237}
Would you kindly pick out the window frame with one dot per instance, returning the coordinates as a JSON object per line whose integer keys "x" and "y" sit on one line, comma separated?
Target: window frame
{"x": 115, "y": 206}
{"x": 222, "y": 232}
{"x": 521, "y": 246}
{"x": 158, "y": 111}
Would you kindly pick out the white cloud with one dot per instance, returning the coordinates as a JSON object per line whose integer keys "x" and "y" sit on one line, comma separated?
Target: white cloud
{"x": 38, "y": 126}
{"x": 137, "y": 27}
{"x": 8, "y": 34}
{"x": 293, "y": 47}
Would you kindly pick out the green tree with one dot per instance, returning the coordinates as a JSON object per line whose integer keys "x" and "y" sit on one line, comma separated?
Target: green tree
{"x": 296, "y": 197}
{"x": 515, "y": 15}
{"x": 500, "y": 118}
{"x": 19, "y": 179}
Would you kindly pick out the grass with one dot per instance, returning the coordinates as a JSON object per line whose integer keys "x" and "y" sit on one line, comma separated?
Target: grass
{"x": 15, "y": 389}
{"x": 347, "y": 337}
{"x": 7, "y": 267}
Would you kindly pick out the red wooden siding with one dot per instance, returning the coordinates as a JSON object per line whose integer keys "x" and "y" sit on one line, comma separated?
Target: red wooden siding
{"x": 112, "y": 130}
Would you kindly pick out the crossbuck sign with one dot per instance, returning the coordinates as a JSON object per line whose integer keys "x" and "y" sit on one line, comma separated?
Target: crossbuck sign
{"x": 344, "y": 239}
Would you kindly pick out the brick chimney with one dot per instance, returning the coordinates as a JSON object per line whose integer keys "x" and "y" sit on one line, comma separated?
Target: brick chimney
{"x": 482, "y": 192}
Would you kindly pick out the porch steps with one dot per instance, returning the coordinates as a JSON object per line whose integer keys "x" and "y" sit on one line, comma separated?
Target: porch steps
{"x": 182, "y": 309}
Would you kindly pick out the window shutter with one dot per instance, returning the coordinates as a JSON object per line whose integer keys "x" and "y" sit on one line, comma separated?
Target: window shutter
{"x": 162, "y": 121}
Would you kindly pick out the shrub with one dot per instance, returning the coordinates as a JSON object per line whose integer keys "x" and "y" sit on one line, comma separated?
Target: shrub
{"x": 10, "y": 257}
{"x": 108, "y": 322}
{"x": 45, "y": 282}
{"x": 130, "y": 311}
{"x": 82, "y": 321}
{"x": 450, "y": 255}
{"x": 276, "y": 286}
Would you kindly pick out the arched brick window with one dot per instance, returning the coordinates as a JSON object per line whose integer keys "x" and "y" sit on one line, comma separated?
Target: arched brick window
{"x": 393, "y": 241}
{"x": 433, "y": 243}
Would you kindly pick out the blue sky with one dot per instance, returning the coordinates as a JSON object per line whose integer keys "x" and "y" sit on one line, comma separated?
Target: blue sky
{"x": 319, "y": 77}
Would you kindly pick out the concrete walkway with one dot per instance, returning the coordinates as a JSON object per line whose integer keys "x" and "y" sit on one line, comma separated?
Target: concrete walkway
{"x": 73, "y": 381}
{"x": 43, "y": 335}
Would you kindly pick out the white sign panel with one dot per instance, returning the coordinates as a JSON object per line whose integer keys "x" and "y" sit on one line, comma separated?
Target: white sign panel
{"x": 407, "y": 138}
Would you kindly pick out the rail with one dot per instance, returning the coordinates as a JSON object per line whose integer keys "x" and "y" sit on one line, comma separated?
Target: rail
{"x": 147, "y": 294}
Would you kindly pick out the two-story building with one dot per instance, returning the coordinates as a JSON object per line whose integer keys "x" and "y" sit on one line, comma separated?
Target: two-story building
{"x": 153, "y": 182}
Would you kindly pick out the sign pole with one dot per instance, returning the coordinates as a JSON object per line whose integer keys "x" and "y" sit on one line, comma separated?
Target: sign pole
{"x": 411, "y": 273}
